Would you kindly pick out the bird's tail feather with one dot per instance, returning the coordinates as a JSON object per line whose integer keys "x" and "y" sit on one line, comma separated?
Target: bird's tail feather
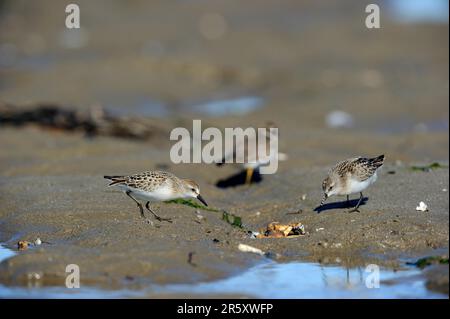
{"x": 114, "y": 179}
{"x": 377, "y": 161}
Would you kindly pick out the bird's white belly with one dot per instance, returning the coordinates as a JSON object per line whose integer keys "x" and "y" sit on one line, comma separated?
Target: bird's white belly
{"x": 160, "y": 194}
{"x": 355, "y": 186}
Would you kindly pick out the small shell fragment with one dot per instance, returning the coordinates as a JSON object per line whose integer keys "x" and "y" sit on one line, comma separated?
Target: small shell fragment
{"x": 38, "y": 241}
{"x": 422, "y": 207}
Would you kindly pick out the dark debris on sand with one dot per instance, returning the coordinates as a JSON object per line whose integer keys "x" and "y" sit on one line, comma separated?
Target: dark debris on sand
{"x": 94, "y": 122}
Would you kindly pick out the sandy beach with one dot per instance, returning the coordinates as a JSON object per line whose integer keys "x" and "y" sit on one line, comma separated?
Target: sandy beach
{"x": 393, "y": 83}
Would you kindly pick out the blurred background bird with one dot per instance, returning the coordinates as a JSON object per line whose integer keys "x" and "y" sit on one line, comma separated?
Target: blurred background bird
{"x": 249, "y": 148}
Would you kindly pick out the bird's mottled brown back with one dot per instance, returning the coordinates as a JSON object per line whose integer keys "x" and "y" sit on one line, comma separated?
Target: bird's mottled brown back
{"x": 146, "y": 181}
{"x": 360, "y": 168}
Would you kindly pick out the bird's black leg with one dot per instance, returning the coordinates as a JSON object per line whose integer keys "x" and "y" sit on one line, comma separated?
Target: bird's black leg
{"x": 156, "y": 216}
{"x": 348, "y": 201}
{"x": 138, "y": 204}
{"x": 357, "y": 205}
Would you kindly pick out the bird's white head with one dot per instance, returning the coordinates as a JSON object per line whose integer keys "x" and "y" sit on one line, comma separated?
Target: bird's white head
{"x": 192, "y": 190}
{"x": 329, "y": 187}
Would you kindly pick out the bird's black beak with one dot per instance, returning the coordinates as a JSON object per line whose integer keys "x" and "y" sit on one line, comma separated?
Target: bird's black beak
{"x": 200, "y": 198}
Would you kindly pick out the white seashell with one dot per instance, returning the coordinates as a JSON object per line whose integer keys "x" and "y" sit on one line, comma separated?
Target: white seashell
{"x": 422, "y": 207}
{"x": 38, "y": 241}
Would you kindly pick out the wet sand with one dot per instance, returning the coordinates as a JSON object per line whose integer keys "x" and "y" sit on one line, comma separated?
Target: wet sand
{"x": 51, "y": 183}
{"x": 101, "y": 230}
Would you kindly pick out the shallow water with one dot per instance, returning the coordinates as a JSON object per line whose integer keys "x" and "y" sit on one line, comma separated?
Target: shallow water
{"x": 266, "y": 280}
{"x": 416, "y": 11}
{"x": 312, "y": 280}
{"x": 145, "y": 106}
{"x": 233, "y": 106}
{"x": 5, "y": 253}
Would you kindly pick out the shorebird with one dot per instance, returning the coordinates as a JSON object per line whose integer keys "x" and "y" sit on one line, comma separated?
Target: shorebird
{"x": 351, "y": 176}
{"x": 252, "y": 159}
{"x": 156, "y": 186}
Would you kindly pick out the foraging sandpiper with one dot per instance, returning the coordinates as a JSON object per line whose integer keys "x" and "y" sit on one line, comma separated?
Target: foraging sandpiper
{"x": 351, "y": 176}
{"x": 156, "y": 186}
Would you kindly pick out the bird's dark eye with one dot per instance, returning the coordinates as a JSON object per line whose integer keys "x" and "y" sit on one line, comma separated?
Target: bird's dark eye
{"x": 331, "y": 187}
{"x": 193, "y": 189}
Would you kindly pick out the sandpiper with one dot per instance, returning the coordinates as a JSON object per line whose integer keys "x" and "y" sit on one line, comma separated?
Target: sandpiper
{"x": 156, "y": 186}
{"x": 252, "y": 159}
{"x": 351, "y": 176}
